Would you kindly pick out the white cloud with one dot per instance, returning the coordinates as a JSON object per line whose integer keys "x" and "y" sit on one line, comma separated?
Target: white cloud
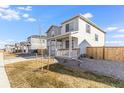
{"x": 88, "y": 15}
{"x": 112, "y": 28}
{"x": 10, "y": 40}
{"x": 115, "y": 42}
{"x": 9, "y": 14}
{"x": 121, "y": 30}
{"x": 27, "y": 8}
{"x": 118, "y": 36}
{"x": 12, "y": 14}
{"x": 21, "y": 8}
{"x": 4, "y": 42}
{"x": 31, "y": 19}
{"x": 25, "y": 15}
{"x": 0, "y": 14}
{"x": 4, "y": 6}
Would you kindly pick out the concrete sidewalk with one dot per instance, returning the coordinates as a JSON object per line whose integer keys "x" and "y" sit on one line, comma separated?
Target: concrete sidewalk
{"x": 19, "y": 59}
{"x": 4, "y": 82}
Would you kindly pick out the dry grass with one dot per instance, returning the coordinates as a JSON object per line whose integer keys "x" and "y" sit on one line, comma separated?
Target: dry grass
{"x": 28, "y": 74}
{"x": 1, "y": 51}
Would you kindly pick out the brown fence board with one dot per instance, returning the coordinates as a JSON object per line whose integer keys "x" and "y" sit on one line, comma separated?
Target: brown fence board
{"x": 107, "y": 53}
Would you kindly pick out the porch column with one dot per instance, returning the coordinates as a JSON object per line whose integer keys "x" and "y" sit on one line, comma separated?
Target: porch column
{"x": 55, "y": 47}
{"x": 70, "y": 45}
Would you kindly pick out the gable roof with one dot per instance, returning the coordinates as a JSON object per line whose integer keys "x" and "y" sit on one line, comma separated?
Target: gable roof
{"x": 24, "y": 43}
{"x": 84, "y": 19}
{"x": 57, "y": 27}
{"x": 37, "y": 36}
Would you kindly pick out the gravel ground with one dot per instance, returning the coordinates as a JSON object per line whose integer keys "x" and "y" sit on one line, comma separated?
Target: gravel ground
{"x": 107, "y": 68}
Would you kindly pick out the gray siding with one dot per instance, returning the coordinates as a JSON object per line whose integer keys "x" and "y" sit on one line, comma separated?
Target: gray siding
{"x": 54, "y": 30}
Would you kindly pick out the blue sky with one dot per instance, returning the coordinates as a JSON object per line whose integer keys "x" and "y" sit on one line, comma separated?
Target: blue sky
{"x": 19, "y": 22}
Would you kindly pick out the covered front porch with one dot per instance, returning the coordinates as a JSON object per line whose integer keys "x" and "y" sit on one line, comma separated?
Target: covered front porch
{"x": 66, "y": 53}
{"x": 64, "y": 46}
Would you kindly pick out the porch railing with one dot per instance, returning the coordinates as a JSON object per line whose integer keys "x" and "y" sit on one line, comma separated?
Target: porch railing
{"x": 65, "y": 53}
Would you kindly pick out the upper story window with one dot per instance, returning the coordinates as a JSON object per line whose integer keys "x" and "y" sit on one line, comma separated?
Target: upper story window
{"x": 52, "y": 33}
{"x": 87, "y": 28}
{"x": 96, "y": 37}
{"x": 69, "y": 27}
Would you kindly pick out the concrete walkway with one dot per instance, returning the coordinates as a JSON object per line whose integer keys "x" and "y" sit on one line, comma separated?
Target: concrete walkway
{"x": 4, "y": 82}
{"x": 19, "y": 59}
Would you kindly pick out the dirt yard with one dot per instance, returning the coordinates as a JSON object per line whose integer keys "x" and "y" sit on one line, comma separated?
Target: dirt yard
{"x": 29, "y": 75}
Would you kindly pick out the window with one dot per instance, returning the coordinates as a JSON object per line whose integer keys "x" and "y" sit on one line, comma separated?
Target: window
{"x": 67, "y": 44}
{"x": 87, "y": 28}
{"x": 52, "y": 33}
{"x": 96, "y": 37}
{"x": 69, "y": 27}
{"x": 72, "y": 43}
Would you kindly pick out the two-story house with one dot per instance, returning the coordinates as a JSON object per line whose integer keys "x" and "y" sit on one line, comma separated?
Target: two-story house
{"x": 36, "y": 42}
{"x": 9, "y": 48}
{"x": 17, "y": 47}
{"x": 73, "y": 36}
{"x": 24, "y": 47}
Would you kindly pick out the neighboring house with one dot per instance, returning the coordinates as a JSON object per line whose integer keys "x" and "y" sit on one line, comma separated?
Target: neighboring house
{"x": 24, "y": 47}
{"x": 10, "y": 48}
{"x": 73, "y": 36}
{"x": 37, "y": 42}
{"x": 17, "y": 47}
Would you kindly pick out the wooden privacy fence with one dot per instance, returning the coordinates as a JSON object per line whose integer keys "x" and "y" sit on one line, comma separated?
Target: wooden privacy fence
{"x": 44, "y": 51}
{"x": 106, "y": 53}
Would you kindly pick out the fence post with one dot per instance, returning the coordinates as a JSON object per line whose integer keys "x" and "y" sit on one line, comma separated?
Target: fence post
{"x": 103, "y": 53}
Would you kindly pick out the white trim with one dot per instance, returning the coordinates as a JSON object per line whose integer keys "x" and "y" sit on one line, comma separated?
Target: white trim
{"x": 63, "y": 35}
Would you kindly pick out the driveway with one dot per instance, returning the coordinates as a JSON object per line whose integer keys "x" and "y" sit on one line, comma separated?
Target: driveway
{"x": 4, "y": 82}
